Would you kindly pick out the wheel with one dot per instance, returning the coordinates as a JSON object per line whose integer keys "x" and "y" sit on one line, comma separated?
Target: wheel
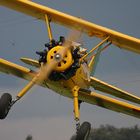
{"x": 84, "y": 131}
{"x": 5, "y": 102}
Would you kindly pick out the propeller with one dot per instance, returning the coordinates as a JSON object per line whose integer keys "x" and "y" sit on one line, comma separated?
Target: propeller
{"x": 46, "y": 69}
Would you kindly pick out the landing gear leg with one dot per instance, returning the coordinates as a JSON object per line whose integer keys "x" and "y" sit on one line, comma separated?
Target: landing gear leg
{"x": 83, "y": 130}
{"x": 76, "y": 107}
{"x": 6, "y": 101}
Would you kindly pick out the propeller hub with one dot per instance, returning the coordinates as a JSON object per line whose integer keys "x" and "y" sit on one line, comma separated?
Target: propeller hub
{"x": 57, "y": 57}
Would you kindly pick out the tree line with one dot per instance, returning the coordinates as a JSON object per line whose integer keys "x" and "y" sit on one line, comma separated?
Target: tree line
{"x": 108, "y": 132}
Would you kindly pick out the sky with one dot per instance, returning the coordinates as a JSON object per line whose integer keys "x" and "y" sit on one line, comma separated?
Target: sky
{"x": 41, "y": 112}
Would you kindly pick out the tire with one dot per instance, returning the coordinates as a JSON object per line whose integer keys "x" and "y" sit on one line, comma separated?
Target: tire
{"x": 84, "y": 131}
{"x": 5, "y": 102}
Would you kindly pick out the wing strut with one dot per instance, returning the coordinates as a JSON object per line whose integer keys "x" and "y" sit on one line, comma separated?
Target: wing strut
{"x": 96, "y": 47}
{"x": 47, "y": 20}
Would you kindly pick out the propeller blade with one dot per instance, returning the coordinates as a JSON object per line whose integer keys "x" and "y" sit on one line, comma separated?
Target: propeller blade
{"x": 46, "y": 70}
{"x": 72, "y": 37}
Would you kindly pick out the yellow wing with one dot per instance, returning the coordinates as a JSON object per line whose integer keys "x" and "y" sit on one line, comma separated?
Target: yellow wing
{"x": 38, "y": 11}
{"x": 109, "y": 89}
{"x": 109, "y": 103}
{"x": 14, "y": 69}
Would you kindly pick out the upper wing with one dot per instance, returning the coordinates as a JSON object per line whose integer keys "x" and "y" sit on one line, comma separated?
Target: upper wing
{"x": 14, "y": 69}
{"x": 107, "y": 88}
{"x": 38, "y": 11}
{"x": 109, "y": 103}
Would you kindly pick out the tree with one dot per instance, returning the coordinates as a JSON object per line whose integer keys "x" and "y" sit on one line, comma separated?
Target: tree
{"x": 73, "y": 137}
{"x": 108, "y": 132}
{"x": 29, "y": 137}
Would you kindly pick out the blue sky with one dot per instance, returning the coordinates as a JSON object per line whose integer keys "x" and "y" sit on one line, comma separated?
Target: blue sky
{"x": 43, "y": 113}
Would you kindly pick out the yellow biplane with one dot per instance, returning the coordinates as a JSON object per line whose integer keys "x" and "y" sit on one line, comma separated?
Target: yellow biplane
{"x": 65, "y": 67}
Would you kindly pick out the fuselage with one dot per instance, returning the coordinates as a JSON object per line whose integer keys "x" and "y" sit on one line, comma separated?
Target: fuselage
{"x": 69, "y": 72}
{"x": 64, "y": 87}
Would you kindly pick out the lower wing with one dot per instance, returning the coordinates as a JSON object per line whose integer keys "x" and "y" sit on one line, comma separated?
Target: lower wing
{"x": 109, "y": 103}
{"x": 84, "y": 95}
{"x": 109, "y": 89}
{"x": 14, "y": 69}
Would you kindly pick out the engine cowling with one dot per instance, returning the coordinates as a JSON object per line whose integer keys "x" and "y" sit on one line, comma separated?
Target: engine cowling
{"x": 65, "y": 63}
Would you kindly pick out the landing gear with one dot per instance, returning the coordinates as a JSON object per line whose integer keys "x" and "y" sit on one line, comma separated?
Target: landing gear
{"x": 5, "y": 105}
{"x": 83, "y": 130}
